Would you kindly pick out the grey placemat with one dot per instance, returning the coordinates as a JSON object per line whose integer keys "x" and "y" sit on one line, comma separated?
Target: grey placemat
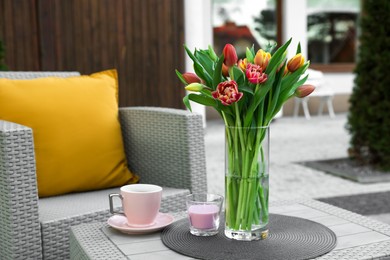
{"x": 289, "y": 238}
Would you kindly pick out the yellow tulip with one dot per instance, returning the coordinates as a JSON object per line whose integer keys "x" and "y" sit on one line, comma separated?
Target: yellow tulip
{"x": 262, "y": 58}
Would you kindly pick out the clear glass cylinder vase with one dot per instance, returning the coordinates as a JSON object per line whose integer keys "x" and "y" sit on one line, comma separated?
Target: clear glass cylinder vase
{"x": 246, "y": 182}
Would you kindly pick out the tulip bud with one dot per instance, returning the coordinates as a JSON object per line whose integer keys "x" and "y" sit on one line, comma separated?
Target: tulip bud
{"x": 225, "y": 70}
{"x": 212, "y": 54}
{"x": 262, "y": 58}
{"x": 242, "y": 64}
{"x": 304, "y": 91}
{"x": 229, "y": 52}
{"x": 295, "y": 62}
{"x": 190, "y": 77}
{"x": 196, "y": 87}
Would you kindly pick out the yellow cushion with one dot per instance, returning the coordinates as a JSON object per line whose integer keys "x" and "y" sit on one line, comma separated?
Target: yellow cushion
{"x": 77, "y": 135}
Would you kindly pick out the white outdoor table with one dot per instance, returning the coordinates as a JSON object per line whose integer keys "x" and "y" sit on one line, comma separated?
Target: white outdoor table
{"x": 358, "y": 237}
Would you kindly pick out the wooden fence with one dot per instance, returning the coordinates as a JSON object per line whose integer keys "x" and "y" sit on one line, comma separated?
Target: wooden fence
{"x": 142, "y": 39}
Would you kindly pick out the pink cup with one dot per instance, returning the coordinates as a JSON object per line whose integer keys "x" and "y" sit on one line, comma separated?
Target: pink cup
{"x": 140, "y": 203}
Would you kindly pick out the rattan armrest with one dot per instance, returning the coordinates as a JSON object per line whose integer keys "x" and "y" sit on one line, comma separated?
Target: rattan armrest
{"x": 20, "y": 233}
{"x": 165, "y": 146}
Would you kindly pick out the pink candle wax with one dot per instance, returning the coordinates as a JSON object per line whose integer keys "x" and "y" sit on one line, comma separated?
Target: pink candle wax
{"x": 203, "y": 216}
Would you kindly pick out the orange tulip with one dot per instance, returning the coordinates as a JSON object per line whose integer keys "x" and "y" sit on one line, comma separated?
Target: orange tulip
{"x": 225, "y": 70}
{"x": 242, "y": 64}
{"x": 262, "y": 58}
{"x": 295, "y": 62}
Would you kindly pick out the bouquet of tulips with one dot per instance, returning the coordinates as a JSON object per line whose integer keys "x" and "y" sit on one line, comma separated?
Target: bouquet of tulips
{"x": 247, "y": 93}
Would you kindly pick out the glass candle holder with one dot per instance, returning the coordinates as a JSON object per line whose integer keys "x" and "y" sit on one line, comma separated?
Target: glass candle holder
{"x": 203, "y": 213}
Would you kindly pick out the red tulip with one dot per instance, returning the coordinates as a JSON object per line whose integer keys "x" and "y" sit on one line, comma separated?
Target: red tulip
{"x": 190, "y": 77}
{"x": 304, "y": 91}
{"x": 255, "y": 74}
{"x": 230, "y": 54}
{"x": 227, "y": 92}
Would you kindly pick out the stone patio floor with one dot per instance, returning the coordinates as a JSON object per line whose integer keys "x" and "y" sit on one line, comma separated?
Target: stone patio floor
{"x": 294, "y": 140}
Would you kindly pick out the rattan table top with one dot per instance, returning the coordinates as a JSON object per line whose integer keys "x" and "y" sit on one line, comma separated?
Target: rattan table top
{"x": 358, "y": 237}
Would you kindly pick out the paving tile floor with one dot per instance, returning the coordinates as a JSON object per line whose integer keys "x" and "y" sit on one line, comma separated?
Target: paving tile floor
{"x": 294, "y": 140}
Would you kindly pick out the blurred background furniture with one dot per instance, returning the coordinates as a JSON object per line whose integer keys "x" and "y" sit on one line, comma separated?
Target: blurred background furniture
{"x": 163, "y": 146}
{"x": 323, "y": 92}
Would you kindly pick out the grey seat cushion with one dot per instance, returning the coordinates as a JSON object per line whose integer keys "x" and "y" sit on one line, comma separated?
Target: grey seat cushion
{"x": 77, "y": 204}
{"x": 57, "y": 214}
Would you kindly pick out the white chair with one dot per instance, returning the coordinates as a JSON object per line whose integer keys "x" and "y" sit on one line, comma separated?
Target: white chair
{"x": 326, "y": 94}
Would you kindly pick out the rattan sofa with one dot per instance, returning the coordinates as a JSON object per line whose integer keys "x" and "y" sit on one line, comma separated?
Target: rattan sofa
{"x": 164, "y": 146}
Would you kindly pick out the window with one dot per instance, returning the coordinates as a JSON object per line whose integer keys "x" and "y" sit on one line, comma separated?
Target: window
{"x": 244, "y": 23}
{"x": 332, "y": 33}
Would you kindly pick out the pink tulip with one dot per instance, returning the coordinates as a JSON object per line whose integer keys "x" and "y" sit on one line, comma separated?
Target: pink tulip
{"x": 304, "y": 91}
{"x": 190, "y": 77}
{"x": 230, "y": 54}
{"x": 227, "y": 92}
{"x": 295, "y": 62}
{"x": 255, "y": 74}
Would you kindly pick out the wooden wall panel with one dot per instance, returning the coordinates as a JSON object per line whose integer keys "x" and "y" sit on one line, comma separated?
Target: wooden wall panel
{"x": 142, "y": 39}
{"x": 18, "y": 31}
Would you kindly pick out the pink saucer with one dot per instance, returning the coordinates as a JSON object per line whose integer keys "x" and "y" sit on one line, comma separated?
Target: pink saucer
{"x": 119, "y": 222}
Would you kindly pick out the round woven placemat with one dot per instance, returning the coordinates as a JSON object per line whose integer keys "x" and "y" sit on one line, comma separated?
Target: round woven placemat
{"x": 289, "y": 238}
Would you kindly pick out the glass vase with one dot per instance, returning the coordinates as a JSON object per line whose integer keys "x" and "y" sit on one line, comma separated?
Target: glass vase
{"x": 246, "y": 182}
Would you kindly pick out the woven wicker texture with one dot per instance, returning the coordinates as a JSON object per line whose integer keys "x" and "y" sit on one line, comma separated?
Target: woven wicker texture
{"x": 102, "y": 247}
{"x": 19, "y": 225}
{"x": 85, "y": 209}
{"x": 290, "y": 238}
{"x": 168, "y": 151}
{"x": 36, "y": 74}
{"x": 166, "y": 146}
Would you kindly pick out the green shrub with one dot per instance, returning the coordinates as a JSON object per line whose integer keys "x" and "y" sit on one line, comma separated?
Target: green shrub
{"x": 2, "y": 57}
{"x": 369, "y": 114}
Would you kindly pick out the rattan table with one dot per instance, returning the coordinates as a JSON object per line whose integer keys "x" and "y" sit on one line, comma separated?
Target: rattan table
{"x": 358, "y": 237}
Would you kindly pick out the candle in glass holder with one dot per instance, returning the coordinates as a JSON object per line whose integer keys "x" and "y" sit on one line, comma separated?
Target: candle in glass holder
{"x": 203, "y": 216}
{"x": 203, "y": 213}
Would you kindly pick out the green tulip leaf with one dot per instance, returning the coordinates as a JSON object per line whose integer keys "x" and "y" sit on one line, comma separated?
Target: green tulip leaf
{"x": 186, "y": 102}
{"x": 238, "y": 75}
{"x": 206, "y": 92}
{"x": 298, "y": 48}
{"x": 217, "y": 77}
{"x": 246, "y": 89}
{"x": 205, "y": 61}
{"x": 277, "y": 57}
{"x": 189, "y": 53}
{"x": 180, "y": 76}
{"x": 250, "y": 56}
{"x": 201, "y": 99}
{"x": 202, "y": 73}
{"x": 212, "y": 53}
